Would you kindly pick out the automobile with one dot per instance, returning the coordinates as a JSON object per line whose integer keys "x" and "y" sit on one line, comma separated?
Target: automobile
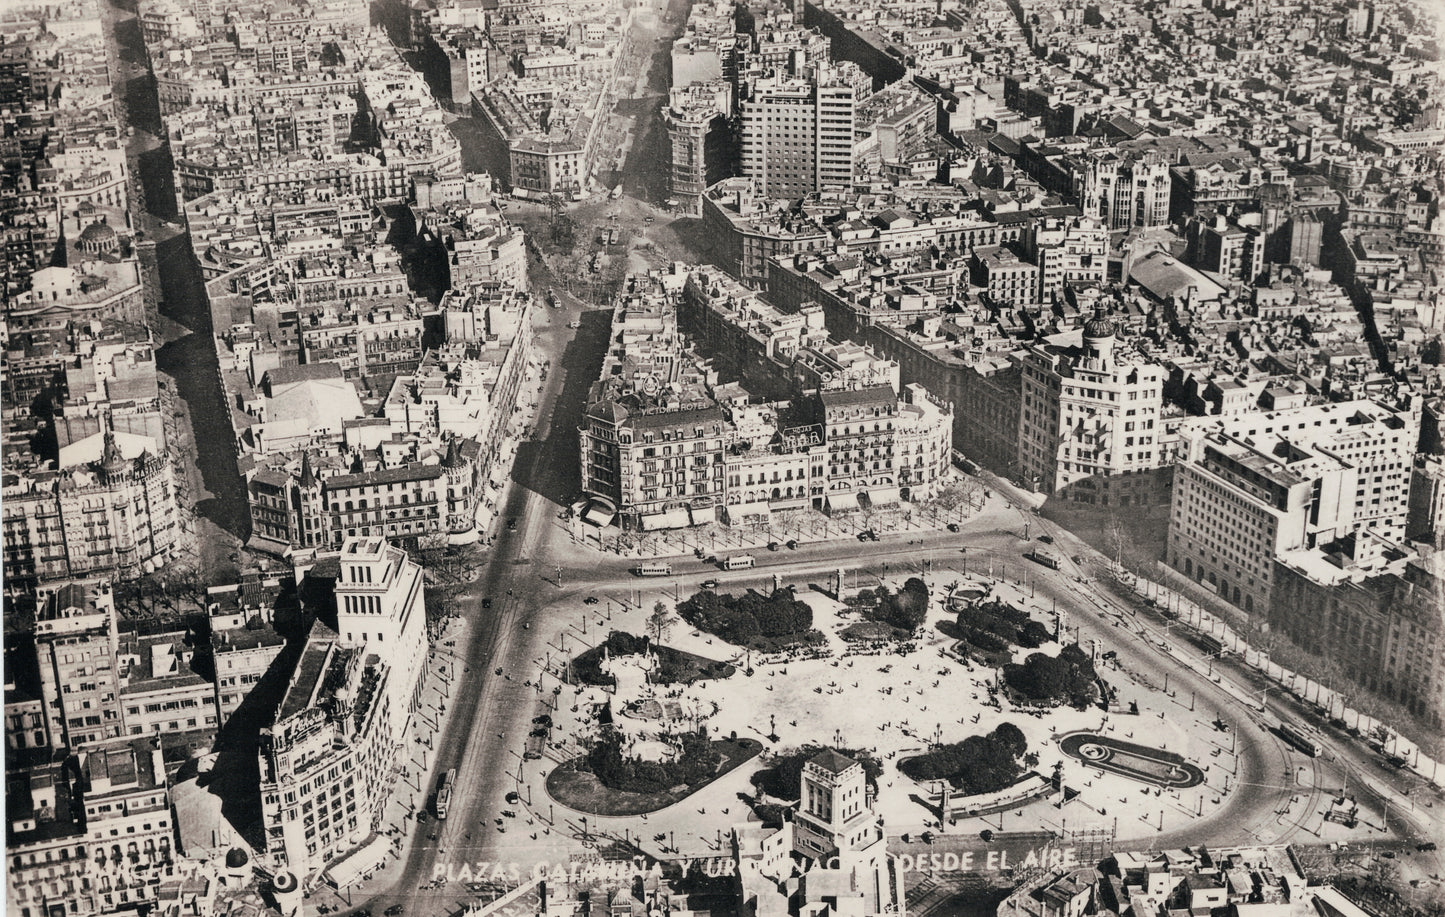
{"x": 486, "y": 603}
{"x": 709, "y": 584}
{"x": 953, "y": 526}
{"x": 792, "y": 544}
{"x": 1077, "y": 559}
{"x": 591, "y": 600}
{"x": 772, "y": 546}
{"x": 1388, "y": 854}
{"x": 1046, "y": 539}
{"x": 512, "y": 524}
{"x": 862, "y": 536}
{"x": 1426, "y": 847}
{"x": 395, "y": 909}
{"x": 872, "y": 535}
{"x": 986, "y": 834}
{"x": 1221, "y": 725}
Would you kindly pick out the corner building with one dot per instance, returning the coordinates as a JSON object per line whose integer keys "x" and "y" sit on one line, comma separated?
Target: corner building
{"x": 1090, "y": 422}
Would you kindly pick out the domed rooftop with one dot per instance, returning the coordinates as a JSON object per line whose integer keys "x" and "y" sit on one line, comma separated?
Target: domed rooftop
{"x": 1099, "y": 326}
{"x": 236, "y": 858}
{"x": 98, "y": 233}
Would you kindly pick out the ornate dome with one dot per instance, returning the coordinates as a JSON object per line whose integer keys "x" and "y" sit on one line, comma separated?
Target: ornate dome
{"x": 1099, "y": 326}
{"x": 98, "y": 238}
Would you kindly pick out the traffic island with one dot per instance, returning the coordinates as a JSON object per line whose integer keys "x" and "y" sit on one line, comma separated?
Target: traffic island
{"x": 573, "y": 785}
{"x": 1153, "y": 766}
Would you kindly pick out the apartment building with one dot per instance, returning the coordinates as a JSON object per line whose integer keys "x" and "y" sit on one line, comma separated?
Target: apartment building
{"x": 112, "y": 510}
{"x": 77, "y": 646}
{"x": 326, "y": 760}
{"x": 1125, "y": 189}
{"x": 797, "y": 134}
{"x": 656, "y": 463}
{"x": 244, "y": 642}
{"x": 1090, "y": 417}
{"x": 1252, "y": 487}
{"x": 1066, "y": 250}
{"x": 702, "y": 138}
{"x": 91, "y": 833}
{"x": 1374, "y": 606}
{"x": 858, "y": 427}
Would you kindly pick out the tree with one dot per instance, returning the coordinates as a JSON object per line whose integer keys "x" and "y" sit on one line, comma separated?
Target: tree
{"x": 978, "y": 764}
{"x": 660, "y": 622}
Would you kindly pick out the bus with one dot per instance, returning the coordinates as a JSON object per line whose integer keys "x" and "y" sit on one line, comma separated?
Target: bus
{"x": 739, "y": 562}
{"x": 444, "y": 793}
{"x": 1300, "y": 739}
{"x": 653, "y": 569}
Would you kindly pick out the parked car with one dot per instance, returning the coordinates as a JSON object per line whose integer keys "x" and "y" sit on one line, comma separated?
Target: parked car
{"x": 953, "y": 526}
{"x": 486, "y": 603}
{"x": 709, "y": 584}
{"x": 1046, "y": 539}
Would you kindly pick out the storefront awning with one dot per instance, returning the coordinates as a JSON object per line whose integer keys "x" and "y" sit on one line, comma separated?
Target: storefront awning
{"x": 598, "y": 515}
{"x": 701, "y": 515}
{"x": 740, "y": 513}
{"x": 883, "y": 496}
{"x": 359, "y": 862}
{"x": 842, "y": 501}
{"x": 672, "y": 519}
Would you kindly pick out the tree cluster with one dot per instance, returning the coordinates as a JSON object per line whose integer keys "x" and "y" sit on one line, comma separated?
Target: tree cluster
{"x": 746, "y": 618}
{"x": 905, "y": 609}
{"x": 696, "y": 762}
{"x": 995, "y": 626}
{"x": 1068, "y": 677}
{"x": 782, "y": 778}
{"x": 673, "y": 666}
{"x": 978, "y": 764}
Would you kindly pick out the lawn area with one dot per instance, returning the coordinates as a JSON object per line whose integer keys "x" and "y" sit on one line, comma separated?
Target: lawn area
{"x": 582, "y": 791}
{"x": 872, "y": 630}
{"x": 674, "y": 666}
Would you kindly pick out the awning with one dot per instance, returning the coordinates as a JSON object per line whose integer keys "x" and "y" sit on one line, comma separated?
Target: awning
{"x": 701, "y": 515}
{"x": 740, "y": 513}
{"x": 598, "y": 515}
{"x": 672, "y": 519}
{"x": 359, "y": 862}
{"x": 842, "y": 501}
{"x": 884, "y": 496}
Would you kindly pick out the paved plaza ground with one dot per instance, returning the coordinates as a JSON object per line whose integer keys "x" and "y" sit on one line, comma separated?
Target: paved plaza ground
{"x": 892, "y": 704}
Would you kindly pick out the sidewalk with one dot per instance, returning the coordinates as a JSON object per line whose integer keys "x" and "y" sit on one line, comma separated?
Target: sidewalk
{"x": 804, "y": 525}
{"x": 529, "y": 395}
